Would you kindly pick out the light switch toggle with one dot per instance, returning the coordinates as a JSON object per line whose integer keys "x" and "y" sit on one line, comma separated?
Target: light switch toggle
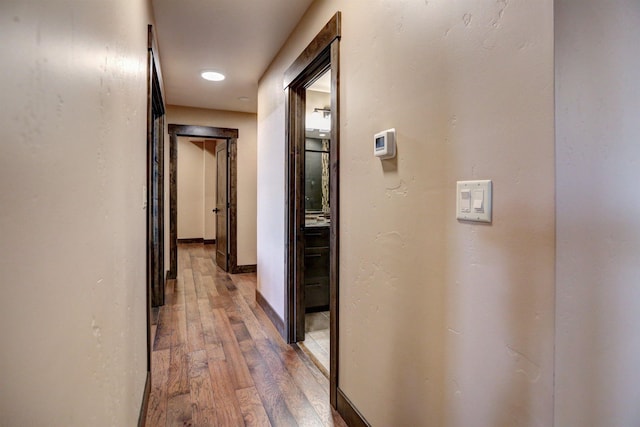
{"x": 465, "y": 201}
{"x": 473, "y": 200}
{"x": 478, "y": 199}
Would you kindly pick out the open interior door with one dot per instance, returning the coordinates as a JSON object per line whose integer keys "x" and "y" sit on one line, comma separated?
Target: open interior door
{"x": 222, "y": 205}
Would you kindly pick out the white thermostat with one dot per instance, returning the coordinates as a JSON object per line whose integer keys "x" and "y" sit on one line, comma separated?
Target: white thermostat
{"x": 384, "y": 144}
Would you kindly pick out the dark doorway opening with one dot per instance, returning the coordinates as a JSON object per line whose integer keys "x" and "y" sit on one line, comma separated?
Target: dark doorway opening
{"x": 320, "y": 56}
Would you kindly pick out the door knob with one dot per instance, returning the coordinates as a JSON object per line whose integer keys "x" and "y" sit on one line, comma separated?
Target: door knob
{"x": 216, "y": 210}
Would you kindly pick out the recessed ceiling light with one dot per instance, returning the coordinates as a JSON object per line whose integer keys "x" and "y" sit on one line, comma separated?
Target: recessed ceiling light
{"x": 243, "y": 98}
{"x": 213, "y": 76}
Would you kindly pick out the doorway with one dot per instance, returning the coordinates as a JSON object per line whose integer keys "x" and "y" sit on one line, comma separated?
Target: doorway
{"x": 197, "y": 188}
{"x": 226, "y": 216}
{"x": 312, "y": 191}
{"x": 315, "y": 339}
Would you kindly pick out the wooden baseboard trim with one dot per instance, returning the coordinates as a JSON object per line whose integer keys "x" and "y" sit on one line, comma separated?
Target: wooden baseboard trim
{"x": 271, "y": 313}
{"x": 142, "y": 418}
{"x": 209, "y": 241}
{"x": 249, "y": 268}
{"x": 349, "y": 413}
{"x": 195, "y": 240}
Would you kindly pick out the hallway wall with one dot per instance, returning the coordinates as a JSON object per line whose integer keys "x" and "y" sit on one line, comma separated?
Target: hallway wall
{"x": 246, "y": 125}
{"x": 443, "y": 323}
{"x": 73, "y": 167}
{"x": 598, "y": 229}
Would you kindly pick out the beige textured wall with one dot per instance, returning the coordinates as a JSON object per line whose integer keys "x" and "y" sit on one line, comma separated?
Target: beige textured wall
{"x": 598, "y": 229}
{"x": 72, "y": 255}
{"x": 190, "y": 188}
{"x": 246, "y": 125}
{"x": 442, "y": 323}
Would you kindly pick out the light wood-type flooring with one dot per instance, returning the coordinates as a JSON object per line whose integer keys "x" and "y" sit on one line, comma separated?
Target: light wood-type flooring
{"x": 218, "y": 361}
{"x": 317, "y": 339}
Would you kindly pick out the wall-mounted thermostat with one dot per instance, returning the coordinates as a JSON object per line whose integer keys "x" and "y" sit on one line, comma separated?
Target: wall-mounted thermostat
{"x": 384, "y": 144}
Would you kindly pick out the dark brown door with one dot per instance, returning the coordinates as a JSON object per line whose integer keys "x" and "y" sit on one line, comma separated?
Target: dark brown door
{"x": 222, "y": 225}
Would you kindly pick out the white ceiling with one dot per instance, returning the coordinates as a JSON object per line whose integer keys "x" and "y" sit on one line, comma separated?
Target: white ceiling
{"x": 236, "y": 37}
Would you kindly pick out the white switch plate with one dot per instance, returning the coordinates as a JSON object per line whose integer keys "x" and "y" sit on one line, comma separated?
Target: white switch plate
{"x": 478, "y": 208}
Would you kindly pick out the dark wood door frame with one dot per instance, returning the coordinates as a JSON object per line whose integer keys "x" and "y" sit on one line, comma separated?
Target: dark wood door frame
{"x": 155, "y": 282}
{"x": 231, "y": 136}
{"x": 321, "y": 54}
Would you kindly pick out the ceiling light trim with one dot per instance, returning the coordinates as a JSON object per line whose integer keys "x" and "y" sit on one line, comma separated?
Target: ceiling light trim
{"x": 212, "y": 75}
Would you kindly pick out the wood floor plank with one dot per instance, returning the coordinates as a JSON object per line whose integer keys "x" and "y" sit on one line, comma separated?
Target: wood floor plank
{"x": 179, "y": 337}
{"x": 198, "y": 279}
{"x": 164, "y": 329}
{"x": 208, "y": 328}
{"x": 270, "y": 395}
{"x": 157, "y": 410}
{"x": 209, "y": 286}
{"x": 241, "y": 376}
{"x": 203, "y": 407}
{"x": 178, "y": 381}
{"x": 253, "y": 412}
{"x": 298, "y": 404}
{"x": 250, "y": 321}
{"x": 195, "y": 336}
{"x": 227, "y": 408}
{"x": 179, "y": 411}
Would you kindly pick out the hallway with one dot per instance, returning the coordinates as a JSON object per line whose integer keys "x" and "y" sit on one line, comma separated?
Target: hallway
{"x": 217, "y": 359}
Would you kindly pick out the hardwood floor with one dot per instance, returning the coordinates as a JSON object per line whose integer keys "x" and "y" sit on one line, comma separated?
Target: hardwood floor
{"x": 218, "y": 361}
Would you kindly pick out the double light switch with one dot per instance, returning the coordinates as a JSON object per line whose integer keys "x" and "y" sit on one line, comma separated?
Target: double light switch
{"x": 473, "y": 200}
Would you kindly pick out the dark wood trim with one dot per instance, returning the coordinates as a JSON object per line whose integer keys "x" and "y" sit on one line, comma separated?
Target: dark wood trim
{"x": 152, "y": 47}
{"x": 155, "y": 269}
{"x": 321, "y": 54}
{"x": 334, "y": 229}
{"x": 331, "y": 31}
{"x": 229, "y": 134}
{"x": 348, "y": 412}
{"x": 209, "y": 241}
{"x": 290, "y": 224}
{"x": 278, "y": 323}
{"x": 232, "y": 218}
{"x": 173, "y": 205}
{"x": 144, "y": 407}
{"x": 155, "y": 174}
{"x": 241, "y": 269}
{"x": 194, "y": 240}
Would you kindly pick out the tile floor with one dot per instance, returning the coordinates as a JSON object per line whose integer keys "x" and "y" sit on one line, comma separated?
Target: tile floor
{"x": 316, "y": 340}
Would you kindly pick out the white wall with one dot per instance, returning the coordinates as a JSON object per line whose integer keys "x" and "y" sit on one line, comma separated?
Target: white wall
{"x": 72, "y": 257}
{"x": 246, "y": 125}
{"x": 598, "y": 228}
{"x": 455, "y": 320}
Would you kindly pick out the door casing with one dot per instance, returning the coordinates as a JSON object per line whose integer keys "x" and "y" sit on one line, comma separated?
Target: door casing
{"x": 321, "y": 54}
{"x": 154, "y": 199}
{"x": 231, "y": 137}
